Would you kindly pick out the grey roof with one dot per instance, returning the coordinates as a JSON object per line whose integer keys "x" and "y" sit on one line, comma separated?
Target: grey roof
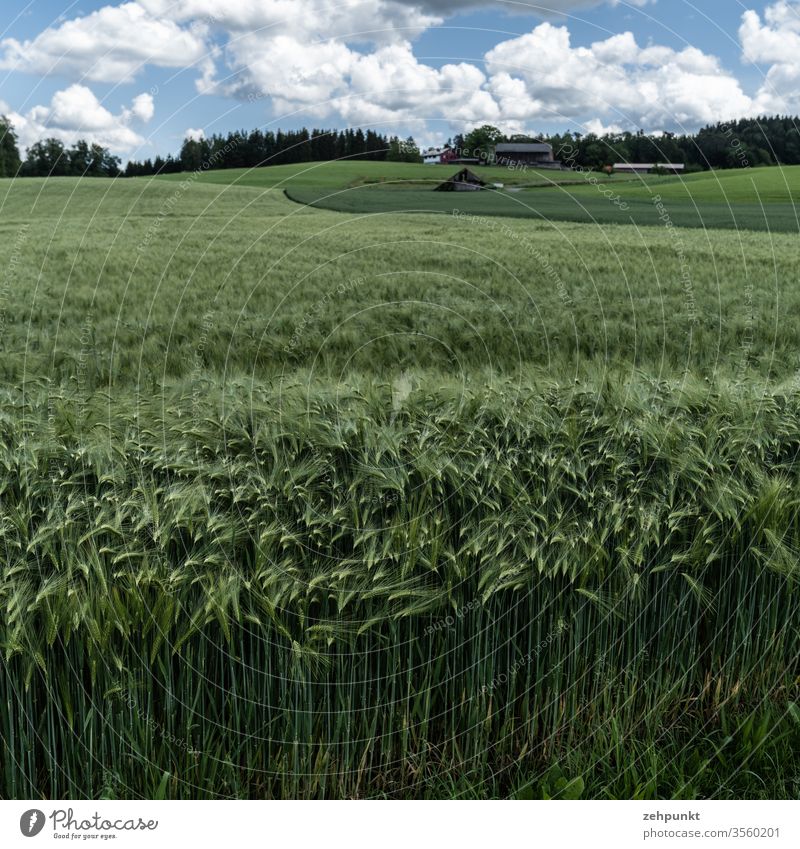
{"x": 673, "y": 165}
{"x": 523, "y": 148}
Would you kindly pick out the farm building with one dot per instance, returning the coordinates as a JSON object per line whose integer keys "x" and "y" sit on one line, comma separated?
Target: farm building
{"x": 433, "y": 156}
{"x": 447, "y": 156}
{"x": 517, "y": 155}
{"x": 439, "y": 156}
{"x": 462, "y": 181}
{"x": 647, "y": 167}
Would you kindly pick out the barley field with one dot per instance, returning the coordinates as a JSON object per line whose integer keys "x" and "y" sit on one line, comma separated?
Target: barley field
{"x": 302, "y": 503}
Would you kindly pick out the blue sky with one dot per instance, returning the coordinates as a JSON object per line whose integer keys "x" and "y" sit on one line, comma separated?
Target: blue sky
{"x": 138, "y": 75}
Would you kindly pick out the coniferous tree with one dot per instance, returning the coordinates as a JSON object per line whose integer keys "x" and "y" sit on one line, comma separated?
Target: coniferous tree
{"x": 9, "y": 152}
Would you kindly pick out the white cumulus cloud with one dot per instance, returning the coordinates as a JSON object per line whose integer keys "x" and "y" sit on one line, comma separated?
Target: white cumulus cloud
{"x": 350, "y": 20}
{"x": 775, "y": 42}
{"x": 76, "y": 113}
{"x": 112, "y": 45}
{"x": 542, "y": 75}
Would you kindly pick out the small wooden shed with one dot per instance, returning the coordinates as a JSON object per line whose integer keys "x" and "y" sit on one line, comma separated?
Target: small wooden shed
{"x": 463, "y": 181}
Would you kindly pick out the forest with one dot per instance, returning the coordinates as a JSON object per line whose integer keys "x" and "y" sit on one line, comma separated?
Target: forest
{"x": 746, "y": 142}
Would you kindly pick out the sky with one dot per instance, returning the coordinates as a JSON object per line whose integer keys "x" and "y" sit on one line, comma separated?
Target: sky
{"x": 139, "y": 76}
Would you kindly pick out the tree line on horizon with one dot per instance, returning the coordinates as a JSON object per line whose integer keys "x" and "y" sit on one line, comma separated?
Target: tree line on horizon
{"x": 735, "y": 144}
{"x": 256, "y": 148}
{"x": 52, "y": 158}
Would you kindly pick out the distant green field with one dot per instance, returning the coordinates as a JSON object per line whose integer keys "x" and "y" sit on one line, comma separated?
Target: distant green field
{"x": 735, "y": 186}
{"x": 344, "y": 174}
{"x": 752, "y": 199}
{"x": 747, "y": 199}
{"x": 780, "y": 184}
{"x": 584, "y": 205}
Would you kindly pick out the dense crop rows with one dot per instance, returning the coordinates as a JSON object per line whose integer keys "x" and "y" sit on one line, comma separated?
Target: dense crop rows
{"x": 240, "y": 559}
{"x": 604, "y": 203}
{"x": 351, "y": 597}
{"x": 138, "y": 283}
